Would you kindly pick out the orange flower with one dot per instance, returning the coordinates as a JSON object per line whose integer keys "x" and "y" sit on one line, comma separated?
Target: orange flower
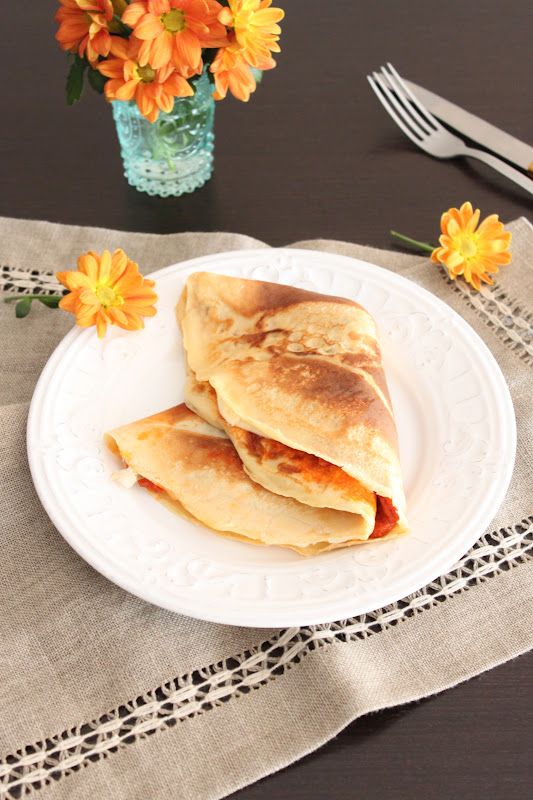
{"x": 175, "y": 31}
{"x": 256, "y": 28}
{"x": 152, "y": 89}
{"x": 470, "y": 252}
{"x": 84, "y": 26}
{"x": 108, "y": 289}
{"x": 232, "y": 71}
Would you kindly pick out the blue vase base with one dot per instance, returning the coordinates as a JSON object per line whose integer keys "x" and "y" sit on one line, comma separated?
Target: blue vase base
{"x": 171, "y": 177}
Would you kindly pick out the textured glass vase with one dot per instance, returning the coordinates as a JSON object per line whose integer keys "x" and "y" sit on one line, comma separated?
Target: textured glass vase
{"x": 174, "y": 154}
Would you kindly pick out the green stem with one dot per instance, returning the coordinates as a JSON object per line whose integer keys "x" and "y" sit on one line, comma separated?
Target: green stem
{"x": 426, "y": 246}
{"x": 14, "y": 297}
{"x": 123, "y": 28}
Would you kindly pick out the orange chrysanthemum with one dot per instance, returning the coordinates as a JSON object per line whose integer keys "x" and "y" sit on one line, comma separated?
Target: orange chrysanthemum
{"x": 175, "y": 31}
{"x": 256, "y": 28}
{"x": 470, "y": 252}
{"x": 232, "y": 71}
{"x": 152, "y": 89}
{"x": 108, "y": 290}
{"x": 84, "y": 26}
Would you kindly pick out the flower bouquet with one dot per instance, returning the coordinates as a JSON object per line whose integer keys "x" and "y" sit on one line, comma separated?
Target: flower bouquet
{"x": 162, "y": 63}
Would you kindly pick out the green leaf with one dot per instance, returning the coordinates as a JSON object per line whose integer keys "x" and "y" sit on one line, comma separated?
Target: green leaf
{"x": 51, "y": 301}
{"x": 97, "y": 81}
{"x": 257, "y": 73}
{"x": 23, "y": 305}
{"x": 22, "y": 309}
{"x": 75, "y": 80}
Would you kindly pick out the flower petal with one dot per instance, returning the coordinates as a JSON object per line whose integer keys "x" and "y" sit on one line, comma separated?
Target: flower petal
{"x": 105, "y": 267}
{"x": 188, "y": 49}
{"x": 69, "y": 302}
{"x": 132, "y": 14}
{"x": 72, "y": 279}
{"x": 454, "y": 259}
{"x": 126, "y": 91}
{"x": 161, "y": 51}
{"x": 89, "y": 264}
{"x": 101, "y": 325}
{"x": 119, "y": 265}
{"x": 149, "y": 28}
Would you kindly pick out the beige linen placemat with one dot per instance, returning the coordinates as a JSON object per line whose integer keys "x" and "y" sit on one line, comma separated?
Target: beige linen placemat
{"x": 104, "y": 695}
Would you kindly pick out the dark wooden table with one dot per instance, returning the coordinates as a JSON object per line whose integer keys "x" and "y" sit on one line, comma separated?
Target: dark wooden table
{"x": 311, "y": 155}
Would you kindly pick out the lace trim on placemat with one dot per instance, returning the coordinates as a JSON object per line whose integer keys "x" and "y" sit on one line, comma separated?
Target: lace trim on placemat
{"x": 505, "y": 315}
{"x": 25, "y": 281}
{"x": 44, "y": 762}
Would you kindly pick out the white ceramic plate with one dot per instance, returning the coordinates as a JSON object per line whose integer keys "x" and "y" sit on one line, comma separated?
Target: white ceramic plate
{"x": 457, "y": 444}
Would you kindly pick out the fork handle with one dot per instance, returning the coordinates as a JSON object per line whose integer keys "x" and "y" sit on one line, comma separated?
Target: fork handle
{"x": 509, "y": 172}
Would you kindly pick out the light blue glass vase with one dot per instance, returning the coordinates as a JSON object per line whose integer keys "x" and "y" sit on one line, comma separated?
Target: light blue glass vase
{"x": 174, "y": 154}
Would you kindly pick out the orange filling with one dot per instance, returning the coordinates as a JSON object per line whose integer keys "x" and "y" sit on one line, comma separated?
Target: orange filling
{"x": 316, "y": 469}
{"x": 386, "y": 517}
{"x": 296, "y": 462}
{"x": 152, "y": 487}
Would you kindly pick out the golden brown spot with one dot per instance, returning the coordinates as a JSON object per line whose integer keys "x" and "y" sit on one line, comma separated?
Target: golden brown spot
{"x": 176, "y": 414}
{"x": 326, "y": 384}
{"x": 259, "y": 339}
{"x": 262, "y": 297}
{"x": 198, "y": 451}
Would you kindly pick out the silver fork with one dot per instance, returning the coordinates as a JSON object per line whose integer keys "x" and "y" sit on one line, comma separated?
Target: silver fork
{"x": 425, "y": 130}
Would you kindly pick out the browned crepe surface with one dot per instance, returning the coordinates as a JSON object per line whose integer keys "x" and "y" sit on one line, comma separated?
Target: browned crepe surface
{"x": 298, "y": 368}
{"x": 198, "y": 468}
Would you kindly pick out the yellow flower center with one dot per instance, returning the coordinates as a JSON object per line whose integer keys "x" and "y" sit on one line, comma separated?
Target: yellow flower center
{"x": 173, "y": 21}
{"x": 107, "y": 297}
{"x": 467, "y": 247}
{"x": 146, "y": 74}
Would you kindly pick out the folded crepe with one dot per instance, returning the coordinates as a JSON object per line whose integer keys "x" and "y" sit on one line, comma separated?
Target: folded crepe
{"x": 296, "y": 380}
{"x": 194, "y": 469}
{"x": 282, "y": 469}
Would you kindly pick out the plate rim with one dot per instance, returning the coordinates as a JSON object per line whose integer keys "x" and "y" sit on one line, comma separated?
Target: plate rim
{"x": 292, "y": 618}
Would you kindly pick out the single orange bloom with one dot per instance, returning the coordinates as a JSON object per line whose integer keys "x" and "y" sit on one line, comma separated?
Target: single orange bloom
{"x": 175, "y": 31}
{"x": 232, "y": 71}
{"x": 152, "y": 89}
{"x": 256, "y": 28}
{"x": 108, "y": 289}
{"x": 470, "y": 252}
{"x": 84, "y": 25}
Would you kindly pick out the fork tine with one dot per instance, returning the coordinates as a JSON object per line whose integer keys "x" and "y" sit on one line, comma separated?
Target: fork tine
{"x": 402, "y": 108}
{"x": 380, "y": 90}
{"x": 418, "y": 107}
{"x": 406, "y": 103}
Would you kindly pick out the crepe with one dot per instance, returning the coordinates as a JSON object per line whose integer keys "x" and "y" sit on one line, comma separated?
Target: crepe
{"x": 194, "y": 468}
{"x": 282, "y": 469}
{"x": 299, "y": 386}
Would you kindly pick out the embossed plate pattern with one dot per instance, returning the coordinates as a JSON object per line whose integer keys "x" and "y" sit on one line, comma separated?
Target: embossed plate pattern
{"x": 457, "y": 444}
